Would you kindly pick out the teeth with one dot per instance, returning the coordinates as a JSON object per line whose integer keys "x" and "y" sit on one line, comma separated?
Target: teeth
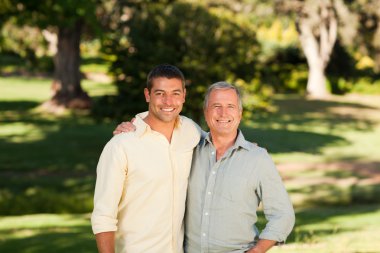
{"x": 168, "y": 109}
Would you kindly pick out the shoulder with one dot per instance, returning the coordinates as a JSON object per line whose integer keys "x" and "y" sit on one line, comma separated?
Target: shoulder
{"x": 190, "y": 126}
{"x": 255, "y": 148}
{"x": 187, "y": 122}
{"x": 189, "y": 133}
{"x": 122, "y": 140}
{"x": 258, "y": 154}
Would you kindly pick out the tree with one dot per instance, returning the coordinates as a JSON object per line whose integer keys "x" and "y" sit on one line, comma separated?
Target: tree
{"x": 216, "y": 45}
{"x": 317, "y": 24}
{"x": 66, "y": 18}
{"x": 367, "y": 32}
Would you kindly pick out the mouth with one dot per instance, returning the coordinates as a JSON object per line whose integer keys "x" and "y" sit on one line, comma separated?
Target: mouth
{"x": 170, "y": 109}
{"x": 224, "y": 121}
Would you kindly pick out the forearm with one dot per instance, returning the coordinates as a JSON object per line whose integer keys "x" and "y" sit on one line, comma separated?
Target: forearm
{"x": 262, "y": 246}
{"x": 106, "y": 242}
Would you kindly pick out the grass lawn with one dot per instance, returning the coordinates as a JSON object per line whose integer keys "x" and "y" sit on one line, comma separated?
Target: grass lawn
{"x": 326, "y": 151}
{"x": 320, "y": 230}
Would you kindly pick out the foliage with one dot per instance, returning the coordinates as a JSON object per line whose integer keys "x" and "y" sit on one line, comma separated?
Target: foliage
{"x": 216, "y": 45}
{"x": 32, "y": 17}
{"x": 27, "y": 43}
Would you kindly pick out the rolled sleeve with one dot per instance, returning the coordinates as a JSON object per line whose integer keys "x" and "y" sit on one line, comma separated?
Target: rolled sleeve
{"x": 111, "y": 172}
{"x": 277, "y": 206}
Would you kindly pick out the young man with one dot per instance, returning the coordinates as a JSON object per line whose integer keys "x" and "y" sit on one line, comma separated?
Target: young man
{"x": 228, "y": 180}
{"x": 141, "y": 183}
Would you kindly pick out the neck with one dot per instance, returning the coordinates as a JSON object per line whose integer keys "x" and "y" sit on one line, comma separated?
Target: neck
{"x": 165, "y": 128}
{"x": 222, "y": 143}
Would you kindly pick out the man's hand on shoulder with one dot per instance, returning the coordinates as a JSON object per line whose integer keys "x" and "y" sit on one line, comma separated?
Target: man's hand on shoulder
{"x": 125, "y": 127}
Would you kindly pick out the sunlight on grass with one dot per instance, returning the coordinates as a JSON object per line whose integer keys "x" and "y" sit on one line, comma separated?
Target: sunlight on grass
{"x": 320, "y": 230}
{"x": 43, "y": 232}
{"x": 22, "y": 132}
{"x": 43, "y": 221}
{"x": 98, "y": 89}
{"x": 38, "y": 89}
{"x": 24, "y": 89}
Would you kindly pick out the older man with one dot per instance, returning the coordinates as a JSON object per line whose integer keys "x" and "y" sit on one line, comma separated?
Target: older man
{"x": 229, "y": 178}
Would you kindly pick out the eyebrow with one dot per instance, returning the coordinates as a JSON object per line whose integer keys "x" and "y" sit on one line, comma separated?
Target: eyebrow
{"x": 160, "y": 90}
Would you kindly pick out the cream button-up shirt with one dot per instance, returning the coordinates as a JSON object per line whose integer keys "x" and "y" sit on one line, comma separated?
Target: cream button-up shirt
{"x": 141, "y": 188}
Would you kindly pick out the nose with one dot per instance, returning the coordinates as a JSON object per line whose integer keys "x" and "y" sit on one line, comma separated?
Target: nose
{"x": 222, "y": 111}
{"x": 168, "y": 99}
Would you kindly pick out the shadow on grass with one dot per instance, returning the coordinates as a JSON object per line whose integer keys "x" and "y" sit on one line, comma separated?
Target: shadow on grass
{"x": 24, "y": 194}
{"x": 300, "y": 112}
{"x": 17, "y": 106}
{"x": 285, "y": 141}
{"x": 60, "y": 240}
{"x": 48, "y": 164}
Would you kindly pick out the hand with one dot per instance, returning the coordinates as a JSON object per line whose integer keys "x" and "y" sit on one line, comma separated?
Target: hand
{"x": 262, "y": 246}
{"x": 125, "y": 127}
{"x": 254, "y": 250}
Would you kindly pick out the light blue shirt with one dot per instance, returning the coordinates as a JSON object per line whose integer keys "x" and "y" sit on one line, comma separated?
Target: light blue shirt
{"x": 223, "y": 197}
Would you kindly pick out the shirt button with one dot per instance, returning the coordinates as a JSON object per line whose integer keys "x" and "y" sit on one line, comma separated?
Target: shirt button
{"x": 206, "y": 213}
{"x": 212, "y": 152}
{"x": 213, "y": 172}
{"x": 209, "y": 193}
{"x": 204, "y": 234}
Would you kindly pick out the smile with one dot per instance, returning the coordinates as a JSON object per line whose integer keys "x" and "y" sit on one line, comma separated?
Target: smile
{"x": 167, "y": 109}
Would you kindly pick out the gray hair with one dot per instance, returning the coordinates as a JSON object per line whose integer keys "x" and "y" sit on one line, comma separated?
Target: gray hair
{"x": 222, "y": 86}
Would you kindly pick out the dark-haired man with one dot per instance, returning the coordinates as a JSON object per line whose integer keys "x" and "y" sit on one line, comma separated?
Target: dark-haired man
{"x": 142, "y": 176}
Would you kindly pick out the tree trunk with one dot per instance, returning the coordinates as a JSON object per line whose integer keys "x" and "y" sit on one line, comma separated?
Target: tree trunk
{"x": 316, "y": 83}
{"x": 317, "y": 28}
{"x": 66, "y": 88}
{"x": 376, "y": 43}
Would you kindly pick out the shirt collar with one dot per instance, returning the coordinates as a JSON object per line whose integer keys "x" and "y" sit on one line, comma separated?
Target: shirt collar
{"x": 240, "y": 141}
{"x": 142, "y": 127}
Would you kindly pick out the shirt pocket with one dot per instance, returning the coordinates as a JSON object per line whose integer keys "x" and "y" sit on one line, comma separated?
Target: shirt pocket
{"x": 234, "y": 188}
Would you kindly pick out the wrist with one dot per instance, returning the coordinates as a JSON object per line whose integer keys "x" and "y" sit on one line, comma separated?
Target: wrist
{"x": 255, "y": 250}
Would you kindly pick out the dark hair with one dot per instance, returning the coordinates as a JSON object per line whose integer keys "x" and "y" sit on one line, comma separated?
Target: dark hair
{"x": 222, "y": 86}
{"x": 164, "y": 70}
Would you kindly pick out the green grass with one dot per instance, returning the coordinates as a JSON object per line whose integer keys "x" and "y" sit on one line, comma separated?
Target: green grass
{"x": 335, "y": 230}
{"x": 326, "y": 151}
{"x": 46, "y": 233}
{"x": 48, "y": 161}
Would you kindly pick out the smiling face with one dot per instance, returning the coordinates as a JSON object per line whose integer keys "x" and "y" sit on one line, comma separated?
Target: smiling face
{"x": 165, "y": 98}
{"x": 222, "y": 112}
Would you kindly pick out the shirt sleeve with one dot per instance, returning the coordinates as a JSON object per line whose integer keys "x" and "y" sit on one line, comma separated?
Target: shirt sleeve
{"x": 111, "y": 173}
{"x": 277, "y": 206}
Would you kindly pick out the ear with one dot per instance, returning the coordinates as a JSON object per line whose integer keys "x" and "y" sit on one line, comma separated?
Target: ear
{"x": 147, "y": 95}
{"x": 184, "y": 94}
